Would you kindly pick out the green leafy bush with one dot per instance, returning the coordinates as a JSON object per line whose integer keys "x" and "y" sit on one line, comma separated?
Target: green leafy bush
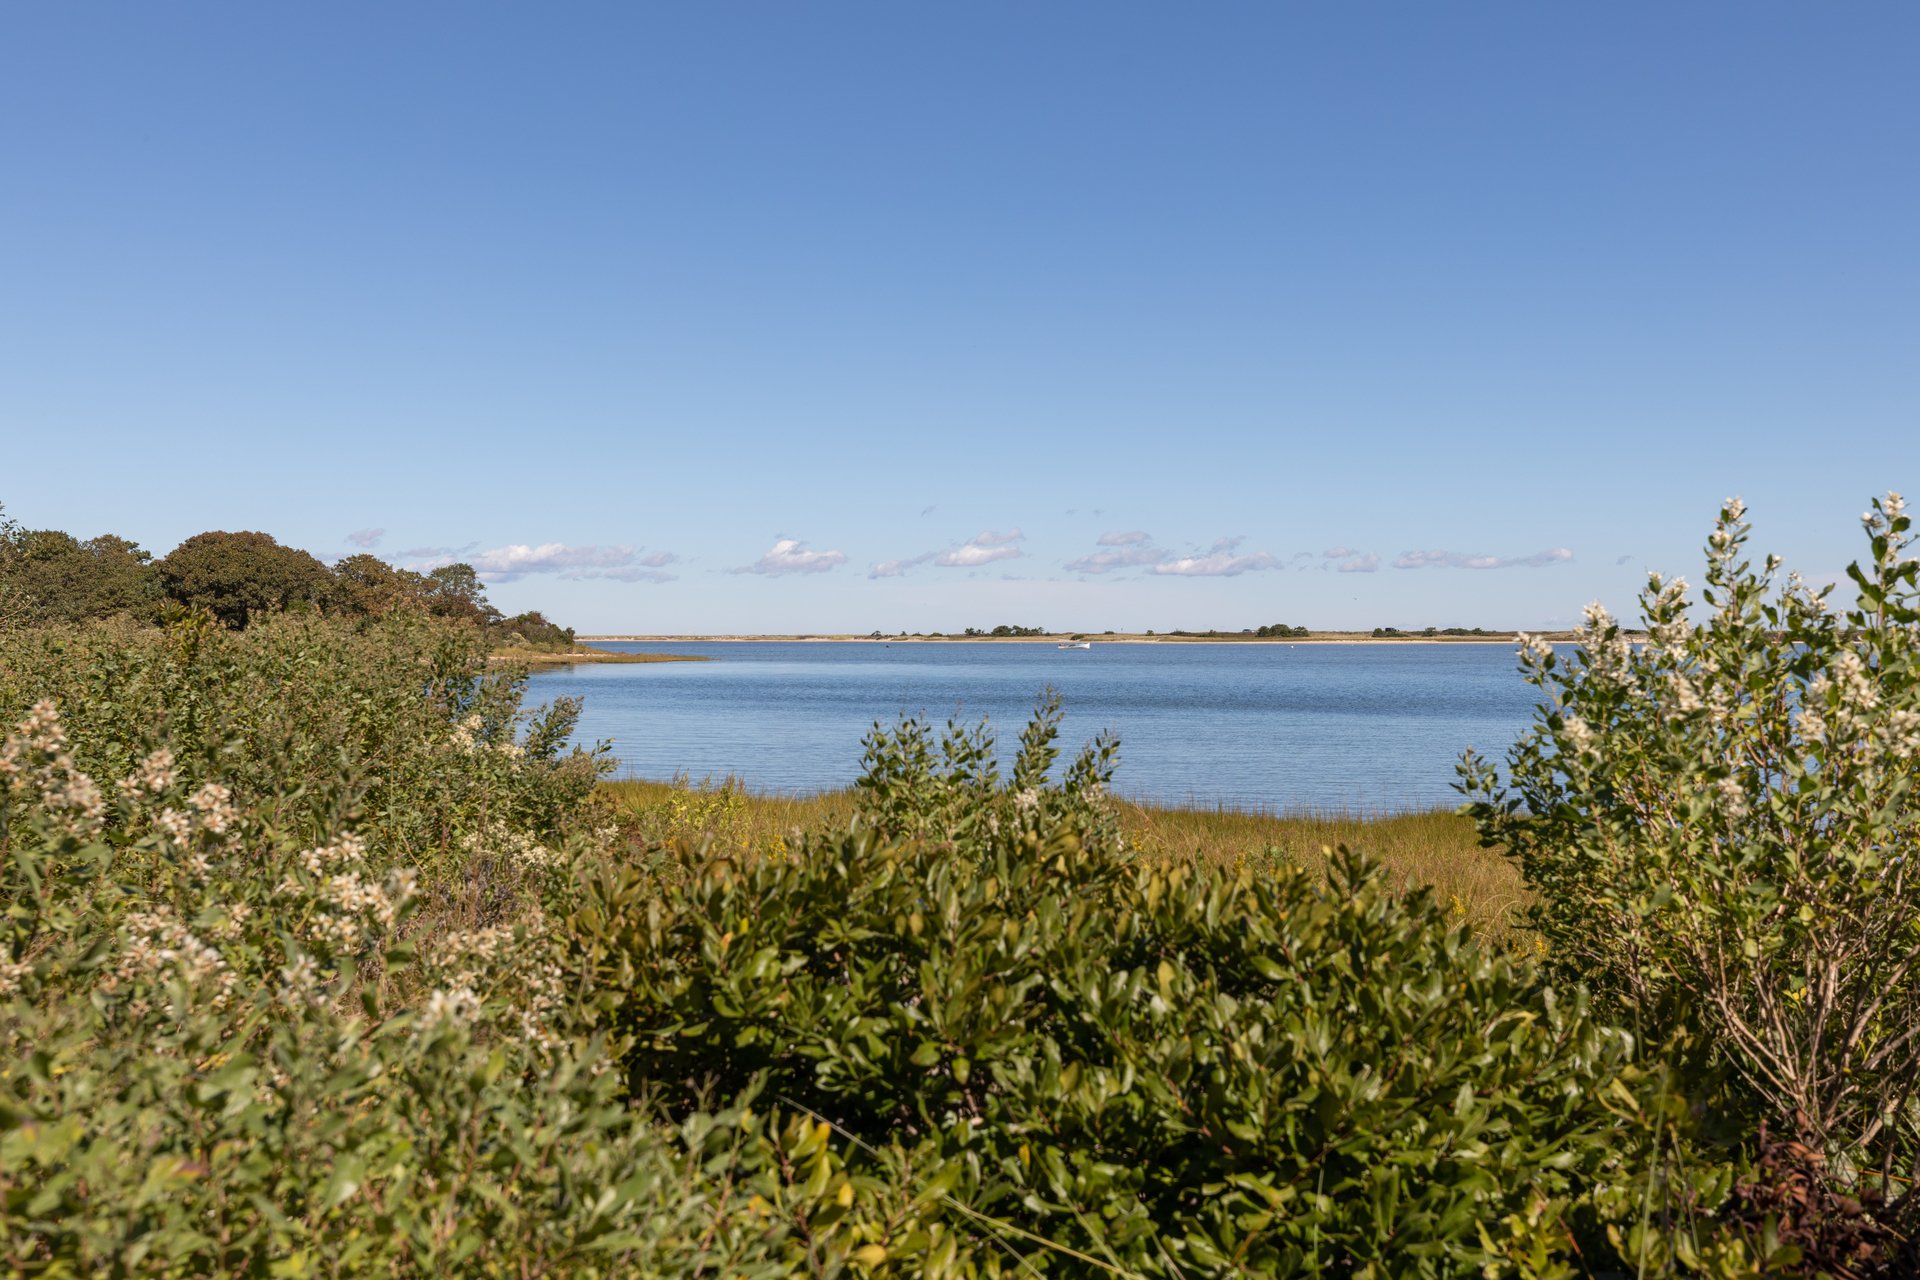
{"x": 1721, "y": 826}
{"x": 395, "y": 727}
{"x": 1154, "y": 1071}
{"x": 239, "y": 1035}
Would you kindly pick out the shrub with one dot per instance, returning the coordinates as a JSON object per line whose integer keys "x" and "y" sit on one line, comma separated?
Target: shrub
{"x": 239, "y": 1040}
{"x": 395, "y": 726}
{"x": 1721, "y": 825}
{"x": 1150, "y": 1070}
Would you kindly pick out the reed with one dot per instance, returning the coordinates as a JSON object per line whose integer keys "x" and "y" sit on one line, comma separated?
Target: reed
{"x": 518, "y": 656}
{"x": 1436, "y": 847}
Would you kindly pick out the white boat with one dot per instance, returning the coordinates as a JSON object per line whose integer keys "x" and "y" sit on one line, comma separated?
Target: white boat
{"x": 1069, "y": 644}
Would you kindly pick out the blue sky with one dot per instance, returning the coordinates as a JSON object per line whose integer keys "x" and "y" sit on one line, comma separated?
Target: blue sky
{"x": 836, "y": 317}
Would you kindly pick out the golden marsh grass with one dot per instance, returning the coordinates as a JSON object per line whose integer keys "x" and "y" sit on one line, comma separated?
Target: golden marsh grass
{"x": 1435, "y": 848}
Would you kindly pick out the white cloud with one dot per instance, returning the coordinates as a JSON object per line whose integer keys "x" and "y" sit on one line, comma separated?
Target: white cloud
{"x": 367, "y": 538}
{"x": 1220, "y": 564}
{"x": 648, "y": 568}
{"x": 969, "y": 554}
{"x": 516, "y": 560}
{"x": 1346, "y": 560}
{"x": 790, "y": 555}
{"x": 1132, "y": 549}
{"x": 983, "y": 548}
{"x": 549, "y": 557}
{"x": 1460, "y": 560}
{"x": 894, "y": 568}
{"x": 627, "y": 575}
{"x": 572, "y": 563}
{"x": 434, "y": 557}
{"x": 1119, "y": 557}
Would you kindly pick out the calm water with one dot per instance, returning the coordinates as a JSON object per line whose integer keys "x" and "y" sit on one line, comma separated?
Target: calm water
{"x": 1357, "y": 727}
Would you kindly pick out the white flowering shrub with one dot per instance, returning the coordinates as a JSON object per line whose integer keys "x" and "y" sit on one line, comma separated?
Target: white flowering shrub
{"x": 241, "y": 1037}
{"x": 1722, "y": 830}
{"x": 396, "y": 728}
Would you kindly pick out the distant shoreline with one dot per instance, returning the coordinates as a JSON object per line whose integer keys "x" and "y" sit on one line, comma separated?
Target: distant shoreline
{"x": 578, "y": 655}
{"x": 1331, "y": 637}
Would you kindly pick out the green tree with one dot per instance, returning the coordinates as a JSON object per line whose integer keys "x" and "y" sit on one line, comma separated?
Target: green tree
{"x": 367, "y": 586}
{"x": 13, "y": 605}
{"x": 236, "y": 575}
{"x": 534, "y": 629}
{"x": 455, "y": 591}
{"x": 50, "y": 576}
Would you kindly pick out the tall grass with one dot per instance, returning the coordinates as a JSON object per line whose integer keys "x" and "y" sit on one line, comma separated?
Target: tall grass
{"x": 1436, "y": 847}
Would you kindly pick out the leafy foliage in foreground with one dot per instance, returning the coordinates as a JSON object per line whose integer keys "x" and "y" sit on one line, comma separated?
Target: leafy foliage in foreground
{"x": 1162, "y": 1071}
{"x": 1722, "y": 827}
{"x": 239, "y": 1035}
{"x": 316, "y": 726}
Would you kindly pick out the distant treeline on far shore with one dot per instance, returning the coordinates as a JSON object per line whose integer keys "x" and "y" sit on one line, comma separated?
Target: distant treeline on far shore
{"x": 1271, "y": 631}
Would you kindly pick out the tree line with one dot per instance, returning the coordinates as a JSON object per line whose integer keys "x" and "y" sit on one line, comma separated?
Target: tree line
{"x": 48, "y": 576}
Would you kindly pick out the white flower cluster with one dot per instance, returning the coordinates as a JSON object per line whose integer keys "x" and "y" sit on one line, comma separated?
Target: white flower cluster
{"x": 350, "y": 907}
{"x": 1534, "y": 651}
{"x": 1839, "y": 703}
{"x": 1845, "y": 712}
{"x": 1733, "y": 797}
{"x": 157, "y": 941}
{"x": 210, "y": 811}
{"x": 300, "y": 983}
{"x": 11, "y": 974}
{"x": 1577, "y": 735}
{"x": 1722, "y": 543}
{"x": 510, "y": 963}
{"x": 154, "y": 776}
{"x": 213, "y": 803}
{"x": 1664, "y": 603}
{"x": 517, "y": 848}
{"x": 1609, "y": 652}
{"x": 466, "y": 736}
{"x": 1902, "y": 734}
{"x": 1857, "y": 690}
{"x": 34, "y": 761}
{"x": 457, "y": 1007}
{"x": 1683, "y": 693}
{"x": 1798, "y": 595}
{"x": 349, "y": 850}
{"x": 1810, "y": 719}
